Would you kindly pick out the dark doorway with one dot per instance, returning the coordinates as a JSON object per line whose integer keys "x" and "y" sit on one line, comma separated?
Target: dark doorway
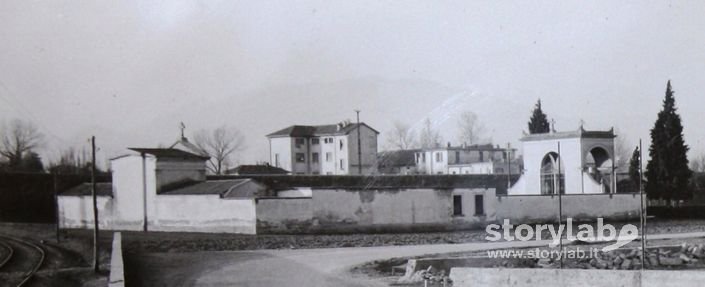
{"x": 479, "y": 204}
{"x": 457, "y": 205}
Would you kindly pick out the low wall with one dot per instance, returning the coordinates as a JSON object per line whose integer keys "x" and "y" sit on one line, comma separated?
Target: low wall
{"x": 284, "y": 215}
{"x": 77, "y": 212}
{"x": 544, "y": 208}
{"x": 117, "y": 268}
{"x": 374, "y": 210}
{"x": 187, "y": 213}
{"x": 202, "y": 213}
{"x": 29, "y": 197}
{"x": 475, "y": 277}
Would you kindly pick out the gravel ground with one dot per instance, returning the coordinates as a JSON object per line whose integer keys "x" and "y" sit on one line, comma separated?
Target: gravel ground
{"x": 66, "y": 262}
{"x": 77, "y": 240}
{"x": 188, "y": 242}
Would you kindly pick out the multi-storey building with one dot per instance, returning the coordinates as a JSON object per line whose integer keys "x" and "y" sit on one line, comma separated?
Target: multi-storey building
{"x": 474, "y": 159}
{"x": 325, "y": 149}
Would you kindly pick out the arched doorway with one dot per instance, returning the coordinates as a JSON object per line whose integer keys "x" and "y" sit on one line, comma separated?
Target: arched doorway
{"x": 598, "y": 164}
{"x": 552, "y": 175}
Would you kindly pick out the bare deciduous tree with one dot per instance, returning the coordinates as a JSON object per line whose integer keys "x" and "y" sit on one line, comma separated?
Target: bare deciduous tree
{"x": 622, "y": 149}
{"x": 19, "y": 137}
{"x": 697, "y": 164}
{"x": 401, "y": 136}
{"x": 471, "y": 129}
{"x": 221, "y": 145}
{"x": 71, "y": 161}
{"x": 429, "y": 137}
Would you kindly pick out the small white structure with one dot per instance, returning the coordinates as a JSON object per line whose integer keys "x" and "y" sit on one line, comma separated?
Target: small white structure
{"x": 573, "y": 162}
{"x": 163, "y": 190}
{"x": 473, "y": 159}
{"x": 325, "y": 150}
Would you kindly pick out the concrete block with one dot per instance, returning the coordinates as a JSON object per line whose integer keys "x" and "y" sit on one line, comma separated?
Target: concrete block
{"x": 542, "y": 277}
{"x": 660, "y": 278}
{"x": 671, "y": 261}
{"x": 117, "y": 270}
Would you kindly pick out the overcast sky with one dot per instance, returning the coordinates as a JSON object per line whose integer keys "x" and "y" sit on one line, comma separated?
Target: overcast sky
{"x": 129, "y": 72}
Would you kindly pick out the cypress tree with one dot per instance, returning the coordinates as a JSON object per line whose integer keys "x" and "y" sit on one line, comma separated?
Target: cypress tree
{"x": 538, "y": 124}
{"x": 634, "y": 175}
{"x": 667, "y": 171}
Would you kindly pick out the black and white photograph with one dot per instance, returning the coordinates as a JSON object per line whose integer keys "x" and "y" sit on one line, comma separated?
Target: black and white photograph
{"x": 352, "y": 143}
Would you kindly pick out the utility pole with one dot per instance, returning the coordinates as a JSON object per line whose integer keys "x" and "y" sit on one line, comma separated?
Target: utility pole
{"x": 560, "y": 207}
{"x": 95, "y": 208}
{"x": 613, "y": 184}
{"x": 509, "y": 168}
{"x": 359, "y": 145}
{"x": 56, "y": 204}
{"x": 643, "y": 212}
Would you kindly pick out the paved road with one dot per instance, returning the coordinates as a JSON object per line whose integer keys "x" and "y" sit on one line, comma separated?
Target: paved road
{"x": 303, "y": 267}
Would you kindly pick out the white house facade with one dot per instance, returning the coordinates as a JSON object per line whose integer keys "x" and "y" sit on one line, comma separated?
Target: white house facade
{"x": 325, "y": 149}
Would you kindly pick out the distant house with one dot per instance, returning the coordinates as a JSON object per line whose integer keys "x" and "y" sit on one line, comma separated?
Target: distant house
{"x": 325, "y": 149}
{"x": 472, "y": 159}
{"x": 258, "y": 169}
{"x": 397, "y": 162}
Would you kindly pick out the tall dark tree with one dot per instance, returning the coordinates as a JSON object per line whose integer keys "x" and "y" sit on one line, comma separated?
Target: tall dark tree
{"x": 31, "y": 162}
{"x": 667, "y": 172}
{"x": 634, "y": 174}
{"x": 538, "y": 123}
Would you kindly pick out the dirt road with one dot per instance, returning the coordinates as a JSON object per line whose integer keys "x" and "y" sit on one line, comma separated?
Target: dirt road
{"x": 299, "y": 267}
{"x": 304, "y": 267}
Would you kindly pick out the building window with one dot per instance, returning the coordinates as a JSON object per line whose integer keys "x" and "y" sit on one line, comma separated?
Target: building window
{"x": 329, "y": 173}
{"x": 482, "y": 156}
{"x": 341, "y": 144}
{"x": 299, "y": 142}
{"x": 479, "y": 204}
{"x": 457, "y": 156}
{"x": 315, "y": 141}
{"x": 439, "y": 157}
{"x": 300, "y": 157}
{"x": 423, "y": 157}
{"x": 276, "y": 160}
{"x": 314, "y": 157}
{"x": 457, "y": 205}
{"x": 328, "y": 140}
{"x": 329, "y": 157}
{"x": 342, "y": 164}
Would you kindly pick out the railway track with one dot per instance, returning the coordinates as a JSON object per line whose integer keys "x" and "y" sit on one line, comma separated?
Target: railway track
{"x": 7, "y": 257}
{"x": 25, "y": 256}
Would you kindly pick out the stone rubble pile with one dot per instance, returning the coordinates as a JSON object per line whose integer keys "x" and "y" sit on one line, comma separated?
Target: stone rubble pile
{"x": 657, "y": 258}
{"x": 430, "y": 274}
